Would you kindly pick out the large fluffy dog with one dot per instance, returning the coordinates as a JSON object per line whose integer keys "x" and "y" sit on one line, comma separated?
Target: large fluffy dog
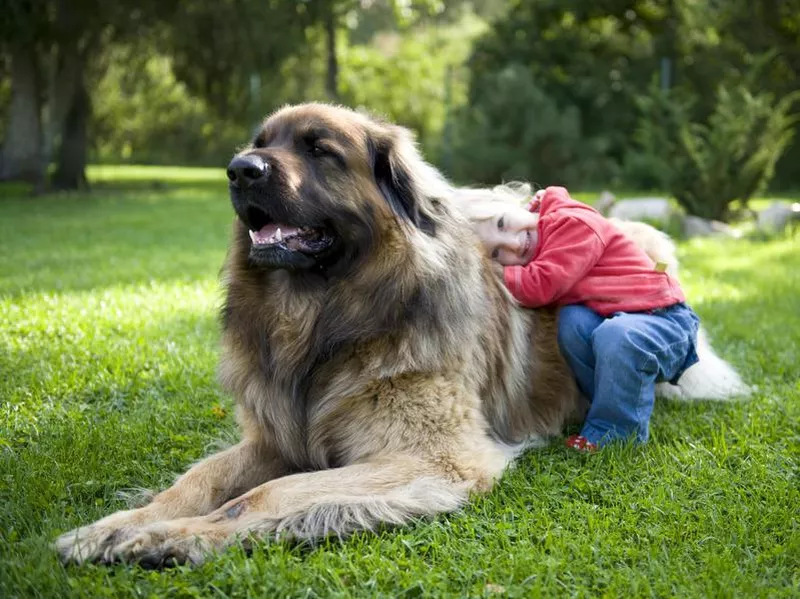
{"x": 381, "y": 369}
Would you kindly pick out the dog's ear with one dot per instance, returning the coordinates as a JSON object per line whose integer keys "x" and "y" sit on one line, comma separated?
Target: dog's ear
{"x": 394, "y": 178}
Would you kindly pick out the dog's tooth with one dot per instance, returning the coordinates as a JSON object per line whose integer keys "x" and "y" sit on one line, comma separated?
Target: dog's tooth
{"x": 278, "y": 235}
{"x": 252, "y": 236}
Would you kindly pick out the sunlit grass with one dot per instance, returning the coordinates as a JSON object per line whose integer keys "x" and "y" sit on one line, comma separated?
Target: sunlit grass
{"x": 106, "y": 173}
{"x": 108, "y": 349}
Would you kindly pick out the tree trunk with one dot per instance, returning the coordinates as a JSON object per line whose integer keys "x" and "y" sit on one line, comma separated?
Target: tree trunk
{"x": 21, "y": 156}
{"x": 65, "y": 71}
{"x": 70, "y": 112}
{"x": 669, "y": 48}
{"x": 332, "y": 78}
{"x": 72, "y": 154}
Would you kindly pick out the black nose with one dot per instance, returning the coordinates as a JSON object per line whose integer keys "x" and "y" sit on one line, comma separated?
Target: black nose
{"x": 245, "y": 170}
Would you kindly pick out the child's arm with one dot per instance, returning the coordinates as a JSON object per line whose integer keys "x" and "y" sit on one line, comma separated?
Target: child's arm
{"x": 569, "y": 251}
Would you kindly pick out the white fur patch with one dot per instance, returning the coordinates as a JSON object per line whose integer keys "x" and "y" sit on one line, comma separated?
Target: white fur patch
{"x": 340, "y": 516}
{"x": 711, "y": 378}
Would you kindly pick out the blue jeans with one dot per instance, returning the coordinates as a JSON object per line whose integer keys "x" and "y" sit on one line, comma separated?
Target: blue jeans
{"x": 617, "y": 362}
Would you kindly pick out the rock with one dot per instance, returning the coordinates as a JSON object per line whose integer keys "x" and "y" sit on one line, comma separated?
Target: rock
{"x": 605, "y": 202}
{"x": 650, "y": 209}
{"x": 777, "y": 216}
{"x": 694, "y": 226}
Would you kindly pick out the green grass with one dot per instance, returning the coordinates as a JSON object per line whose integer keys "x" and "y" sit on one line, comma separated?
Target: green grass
{"x": 108, "y": 344}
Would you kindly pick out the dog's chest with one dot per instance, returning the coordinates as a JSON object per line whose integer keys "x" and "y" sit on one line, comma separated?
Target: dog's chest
{"x": 295, "y": 406}
{"x": 305, "y": 425}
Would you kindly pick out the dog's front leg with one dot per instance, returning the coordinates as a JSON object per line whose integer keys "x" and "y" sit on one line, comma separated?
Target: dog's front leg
{"x": 203, "y": 488}
{"x": 307, "y": 506}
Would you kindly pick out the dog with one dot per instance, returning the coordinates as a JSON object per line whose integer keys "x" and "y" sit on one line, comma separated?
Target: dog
{"x": 381, "y": 370}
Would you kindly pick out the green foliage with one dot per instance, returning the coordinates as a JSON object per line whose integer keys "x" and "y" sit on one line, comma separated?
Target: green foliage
{"x": 755, "y": 28}
{"x": 733, "y": 157}
{"x": 586, "y": 57}
{"x": 512, "y": 129}
{"x": 224, "y": 49}
{"x": 709, "y": 165}
{"x": 108, "y": 353}
{"x": 5, "y": 93}
{"x": 219, "y": 66}
{"x": 405, "y": 78}
{"x": 370, "y": 79}
{"x": 647, "y": 163}
{"x": 599, "y": 57}
{"x": 143, "y": 114}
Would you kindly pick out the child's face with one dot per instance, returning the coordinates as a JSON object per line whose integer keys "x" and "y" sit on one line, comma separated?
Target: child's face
{"x": 509, "y": 236}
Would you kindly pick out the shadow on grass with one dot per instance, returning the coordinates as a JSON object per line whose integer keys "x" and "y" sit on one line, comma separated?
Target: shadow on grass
{"x": 127, "y": 178}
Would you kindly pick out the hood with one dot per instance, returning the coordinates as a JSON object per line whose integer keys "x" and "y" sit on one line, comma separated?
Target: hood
{"x": 557, "y": 198}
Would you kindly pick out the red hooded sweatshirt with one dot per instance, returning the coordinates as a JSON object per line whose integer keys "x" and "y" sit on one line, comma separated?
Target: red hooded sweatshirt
{"x": 581, "y": 258}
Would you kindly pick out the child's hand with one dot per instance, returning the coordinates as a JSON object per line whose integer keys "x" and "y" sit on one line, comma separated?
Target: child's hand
{"x": 533, "y": 205}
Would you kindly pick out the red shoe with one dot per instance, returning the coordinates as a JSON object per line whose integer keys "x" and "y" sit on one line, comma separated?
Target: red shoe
{"x": 581, "y": 443}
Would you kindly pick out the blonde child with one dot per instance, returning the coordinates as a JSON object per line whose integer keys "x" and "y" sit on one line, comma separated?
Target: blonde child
{"x": 623, "y": 324}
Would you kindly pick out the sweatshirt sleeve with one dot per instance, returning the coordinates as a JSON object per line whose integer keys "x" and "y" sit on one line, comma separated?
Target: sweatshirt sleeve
{"x": 570, "y": 249}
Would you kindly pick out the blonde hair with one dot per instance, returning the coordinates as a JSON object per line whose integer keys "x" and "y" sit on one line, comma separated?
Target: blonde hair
{"x": 482, "y": 204}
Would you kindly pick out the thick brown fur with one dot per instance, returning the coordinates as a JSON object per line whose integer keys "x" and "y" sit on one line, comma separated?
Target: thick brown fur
{"x": 387, "y": 383}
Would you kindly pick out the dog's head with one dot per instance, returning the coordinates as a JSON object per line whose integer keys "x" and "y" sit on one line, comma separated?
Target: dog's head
{"x": 318, "y": 184}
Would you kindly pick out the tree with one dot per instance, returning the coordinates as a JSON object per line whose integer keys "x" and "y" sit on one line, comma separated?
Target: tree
{"x": 514, "y": 130}
{"x": 599, "y": 56}
{"x": 729, "y": 157}
{"x": 754, "y": 28}
{"x": 332, "y": 60}
{"x": 423, "y": 65}
{"x": 53, "y": 45}
{"x": 80, "y": 29}
{"x": 20, "y": 30}
{"x": 143, "y": 112}
{"x": 593, "y": 56}
{"x": 227, "y": 61}
{"x": 390, "y": 14}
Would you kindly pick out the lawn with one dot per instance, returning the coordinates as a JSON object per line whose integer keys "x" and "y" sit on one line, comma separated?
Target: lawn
{"x": 108, "y": 345}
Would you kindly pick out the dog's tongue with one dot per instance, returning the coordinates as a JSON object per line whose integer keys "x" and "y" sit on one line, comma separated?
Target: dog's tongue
{"x": 273, "y": 233}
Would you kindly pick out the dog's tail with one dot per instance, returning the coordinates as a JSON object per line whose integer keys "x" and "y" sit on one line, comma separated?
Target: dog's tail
{"x": 710, "y": 378}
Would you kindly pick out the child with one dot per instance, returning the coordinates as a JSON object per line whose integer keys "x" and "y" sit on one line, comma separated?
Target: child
{"x": 623, "y": 325}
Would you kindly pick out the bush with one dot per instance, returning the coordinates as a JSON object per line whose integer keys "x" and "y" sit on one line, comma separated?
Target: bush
{"x": 514, "y": 130}
{"x": 709, "y": 165}
{"x": 646, "y": 166}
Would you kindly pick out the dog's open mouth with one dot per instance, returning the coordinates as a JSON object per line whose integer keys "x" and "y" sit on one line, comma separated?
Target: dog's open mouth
{"x": 267, "y": 234}
{"x": 301, "y": 239}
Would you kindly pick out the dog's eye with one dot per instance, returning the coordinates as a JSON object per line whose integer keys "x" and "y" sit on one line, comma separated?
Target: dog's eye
{"x": 500, "y": 223}
{"x": 316, "y": 147}
{"x": 316, "y": 150}
{"x": 258, "y": 142}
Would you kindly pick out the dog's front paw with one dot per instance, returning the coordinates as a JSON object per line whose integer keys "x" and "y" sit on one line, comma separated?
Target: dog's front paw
{"x": 90, "y": 543}
{"x": 164, "y": 544}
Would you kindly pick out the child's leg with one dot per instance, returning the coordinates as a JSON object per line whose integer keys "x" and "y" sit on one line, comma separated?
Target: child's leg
{"x": 576, "y": 323}
{"x": 632, "y": 352}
